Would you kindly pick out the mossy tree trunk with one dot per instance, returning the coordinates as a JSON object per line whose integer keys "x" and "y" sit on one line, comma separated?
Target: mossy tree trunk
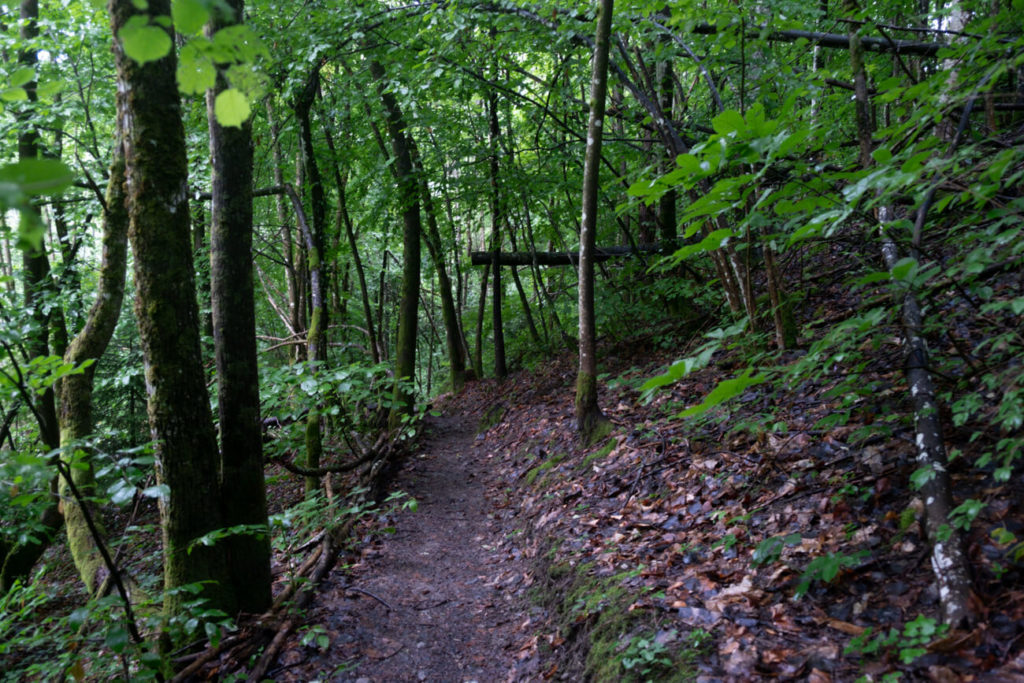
{"x": 17, "y": 560}
{"x": 408, "y": 192}
{"x": 313, "y": 238}
{"x": 76, "y": 390}
{"x": 590, "y": 421}
{"x": 168, "y": 319}
{"x": 232, "y": 294}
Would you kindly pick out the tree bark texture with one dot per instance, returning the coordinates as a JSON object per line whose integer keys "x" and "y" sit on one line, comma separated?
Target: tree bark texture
{"x": 232, "y": 295}
{"x": 589, "y": 417}
{"x": 168, "y": 319}
{"x": 313, "y": 238}
{"x": 497, "y": 218}
{"x": 77, "y": 390}
{"x": 949, "y": 562}
{"x": 408, "y": 191}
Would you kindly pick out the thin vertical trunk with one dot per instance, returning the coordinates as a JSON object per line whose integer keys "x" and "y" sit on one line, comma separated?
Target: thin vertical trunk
{"x": 77, "y": 390}
{"x": 232, "y": 298}
{"x": 590, "y": 421}
{"x": 340, "y": 182}
{"x": 408, "y": 190}
{"x": 313, "y": 238}
{"x": 478, "y": 350}
{"x": 497, "y": 218}
{"x": 432, "y": 237}
{"x": 17, "y": 560}
{"x": 165, "y": 305}
{"x": 949, "y": 562}
{"x": 287, "y": 241}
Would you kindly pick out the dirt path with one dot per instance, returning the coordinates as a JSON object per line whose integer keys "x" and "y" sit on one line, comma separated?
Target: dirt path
{"x": 442, "y": 599}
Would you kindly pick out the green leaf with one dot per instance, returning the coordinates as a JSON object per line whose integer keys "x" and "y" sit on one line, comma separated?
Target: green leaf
{"x": 904, "y": 269}
{"x": 143, "y": 42}
{"x": 21, "y": 76}
{"x": 196, "y": 73}
{"x": 882, "y": 155}
{"x": 37, "y": 176}
{"x": 189, "y": 16}
{"x": 13, "y": 95}
{"x": 729, "y": 121}
{"x": 231, "y": 108}
{"x": 726, "y": 389}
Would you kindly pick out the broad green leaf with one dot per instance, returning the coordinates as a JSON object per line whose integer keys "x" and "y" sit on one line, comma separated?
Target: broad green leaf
{"x": 22, "y": 76}
{"x": 13, "y": 95}
{"x": 882, "y": 155}
{"x": 726, "y": 389}
{"x": 715, "y": 240}
{"x": 729, "y": 121}
{"x": 37, "y": 176}
{"x": 47, "y": 89}
{"x": 189, "y": 16}
{"x": 904, "y": 268}
{"x": 196, "y": 73}
{"x": 143, "y": 42}
{"x": 231, "y": 108}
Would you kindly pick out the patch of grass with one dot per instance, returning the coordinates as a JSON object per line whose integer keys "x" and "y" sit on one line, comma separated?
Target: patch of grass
{"x": 548, "y": 464}
{"x": 604, "y": 639}
{"x": 491, "y": 417}
{"x": 598, "y": 454}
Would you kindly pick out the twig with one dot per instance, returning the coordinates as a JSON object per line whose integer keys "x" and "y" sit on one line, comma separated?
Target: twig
{"x": 369, "y": 594}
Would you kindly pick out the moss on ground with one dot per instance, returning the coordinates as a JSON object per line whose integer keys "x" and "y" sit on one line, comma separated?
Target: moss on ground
{"x": 604, "y": 639}
{"x": 598, "y": 454}
{"x": 548, "y": 464}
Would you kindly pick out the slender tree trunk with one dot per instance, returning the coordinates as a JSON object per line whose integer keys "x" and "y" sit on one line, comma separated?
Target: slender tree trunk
{"x": 313, "y": 238}
{"x": 497, "y": 218}
{"x": 168, "y": 318}
{"x": 340, "y": 180}
{"x": 287, "y": 241}
{"x": 76, "y": 391}
{"x": 17, "y": 560}
{"x": 949, "y": 562}
{"x": 590, "y": 421}
{"x": 478, "y": 350}
{"x": 432, "y": 237}
{"x": 232, "y": 295}
{"x": 408, "y": 190}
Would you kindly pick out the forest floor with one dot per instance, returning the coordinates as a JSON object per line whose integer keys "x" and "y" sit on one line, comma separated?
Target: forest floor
{"x": 438, "y": 599}
{"x": 671, "y": 550}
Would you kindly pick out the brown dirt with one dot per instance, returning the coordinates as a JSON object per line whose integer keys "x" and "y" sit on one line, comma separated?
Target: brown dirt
{"x": 440, "y": 599}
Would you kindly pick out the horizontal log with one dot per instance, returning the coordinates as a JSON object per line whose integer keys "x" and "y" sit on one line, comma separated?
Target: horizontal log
{"x": 840, "y": 41}
{"x": 556, "y": 258}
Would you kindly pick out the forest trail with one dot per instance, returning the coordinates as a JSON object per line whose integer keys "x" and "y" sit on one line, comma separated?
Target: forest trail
{"x": 437, "y": 600}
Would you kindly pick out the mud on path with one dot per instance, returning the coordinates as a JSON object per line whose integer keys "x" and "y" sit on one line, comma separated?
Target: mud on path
{"x": 440, "y": 599}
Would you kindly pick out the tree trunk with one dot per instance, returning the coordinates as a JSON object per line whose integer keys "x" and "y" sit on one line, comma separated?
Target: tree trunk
{"x": 408, "y": 191}
{"x": 168, "y": 318}
{"x": 452, "y": 324}
{"x": 497, "y": 218}
{"x": 232, "y": 295}
{"x": 76, "y": 390}
{"x": 590, "y": 421}
{"x": 949, "y": 562}
{"x": 340, "y": 181}
{"x": 313, "y": 238}
{"x": 287, "y": 241}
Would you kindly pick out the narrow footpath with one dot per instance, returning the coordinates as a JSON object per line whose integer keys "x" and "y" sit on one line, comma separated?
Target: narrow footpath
{"x": 443, "y": 598}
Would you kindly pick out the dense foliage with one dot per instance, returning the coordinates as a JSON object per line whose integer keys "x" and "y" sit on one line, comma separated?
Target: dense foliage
{"x": 757, "y": 156}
